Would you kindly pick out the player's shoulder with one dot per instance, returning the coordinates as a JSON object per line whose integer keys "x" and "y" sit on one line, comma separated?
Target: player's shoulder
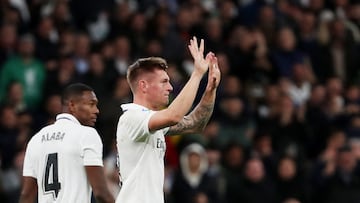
{"x": 38, "y": 136}
{"x": 88, "y": 130}
{"x": 42, "y": 131}
{"x": 133, "y": 118}
{"x": 135, "y": 113}
{"x": 132, "y": 108}
{"x": 89, "y": 135}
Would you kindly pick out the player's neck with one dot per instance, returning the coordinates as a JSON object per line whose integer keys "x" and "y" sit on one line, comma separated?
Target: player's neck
{"x": 145, "y": 103}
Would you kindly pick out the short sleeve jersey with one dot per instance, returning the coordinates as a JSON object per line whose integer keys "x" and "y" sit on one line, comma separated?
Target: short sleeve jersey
{"x": 56, "y": 157}
{"x": 141, "y": 156}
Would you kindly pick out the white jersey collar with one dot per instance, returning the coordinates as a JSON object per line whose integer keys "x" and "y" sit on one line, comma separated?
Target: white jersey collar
{"x": 67, "y": 116}
{"x": 133, "y": 106}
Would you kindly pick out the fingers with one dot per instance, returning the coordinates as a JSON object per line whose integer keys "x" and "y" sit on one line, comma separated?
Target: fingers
{"x": 214, "y": 71}
{"x": 213, "y": 61}
{"x": 195, "y": 48}
{"x": 209, "y": 56}
{"x": 195, "y": 42}
{"x": 191, "y": 48}
{"x": 201, "y": 49}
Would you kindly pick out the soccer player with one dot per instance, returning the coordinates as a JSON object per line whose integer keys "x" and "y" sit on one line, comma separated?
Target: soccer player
{"x": 63, "y": 161}
{"x": 144, "y": 123}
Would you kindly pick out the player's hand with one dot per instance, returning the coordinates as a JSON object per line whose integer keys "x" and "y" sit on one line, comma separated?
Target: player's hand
{"x": 214, "y": 72}
{"x": 201, "y": 64}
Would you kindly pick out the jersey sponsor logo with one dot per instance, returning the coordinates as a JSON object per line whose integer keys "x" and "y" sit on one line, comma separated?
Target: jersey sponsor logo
{"x": 53, "y": 136}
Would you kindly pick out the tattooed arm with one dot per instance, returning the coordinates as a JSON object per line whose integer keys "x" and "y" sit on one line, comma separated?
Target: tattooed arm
{"x": 196, "y": 121}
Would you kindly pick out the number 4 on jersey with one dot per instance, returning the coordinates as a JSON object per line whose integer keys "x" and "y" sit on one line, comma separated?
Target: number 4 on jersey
{"x": 51, "y": 183}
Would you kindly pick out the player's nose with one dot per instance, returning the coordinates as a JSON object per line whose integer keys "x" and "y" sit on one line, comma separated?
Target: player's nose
{"x": 170, "y": 88}
{"x": 97, "y": 111}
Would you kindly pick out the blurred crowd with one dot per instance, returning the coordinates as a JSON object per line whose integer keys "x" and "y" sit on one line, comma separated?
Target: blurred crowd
{"x": 286, "y": 125}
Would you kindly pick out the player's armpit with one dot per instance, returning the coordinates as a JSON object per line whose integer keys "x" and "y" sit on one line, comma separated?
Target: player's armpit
{"x": 97, "y": 181}
{"x": 29, "y": 190}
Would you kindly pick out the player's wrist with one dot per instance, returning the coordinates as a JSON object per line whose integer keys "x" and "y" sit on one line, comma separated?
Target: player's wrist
{"x": 197, "y": 73}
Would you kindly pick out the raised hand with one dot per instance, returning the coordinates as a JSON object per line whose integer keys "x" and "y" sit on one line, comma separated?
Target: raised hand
{"x": 214, "y": 72}
{"x": 200, "y": 63}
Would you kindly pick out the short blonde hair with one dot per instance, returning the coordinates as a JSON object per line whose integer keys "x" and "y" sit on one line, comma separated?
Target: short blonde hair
{"x": 144, "y": 65}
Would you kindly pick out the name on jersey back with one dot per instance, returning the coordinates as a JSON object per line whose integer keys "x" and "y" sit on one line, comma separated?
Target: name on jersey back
{"x": 53, "y": 136}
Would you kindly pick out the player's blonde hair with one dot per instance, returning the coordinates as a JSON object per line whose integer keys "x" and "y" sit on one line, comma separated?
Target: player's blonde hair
{"x": 144, "y": 65}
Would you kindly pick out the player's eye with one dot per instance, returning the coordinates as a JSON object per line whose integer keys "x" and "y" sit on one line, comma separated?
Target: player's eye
{"x": 92, "y": 103}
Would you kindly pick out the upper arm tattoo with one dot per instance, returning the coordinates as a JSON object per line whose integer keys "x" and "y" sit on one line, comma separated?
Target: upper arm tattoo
{"x": 194, "y": 122}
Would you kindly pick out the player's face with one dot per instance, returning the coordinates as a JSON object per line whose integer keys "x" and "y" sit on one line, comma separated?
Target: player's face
{"x": 86, "y": 110}
{"x": 159, "y": 89}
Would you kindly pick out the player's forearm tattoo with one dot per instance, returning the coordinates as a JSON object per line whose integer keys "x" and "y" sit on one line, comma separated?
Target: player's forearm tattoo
{"x": 195, "y": 121}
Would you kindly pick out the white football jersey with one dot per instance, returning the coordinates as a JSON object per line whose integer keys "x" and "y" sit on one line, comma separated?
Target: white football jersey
{"x": 57, "y": 155}
{"x": 141, "y": 156}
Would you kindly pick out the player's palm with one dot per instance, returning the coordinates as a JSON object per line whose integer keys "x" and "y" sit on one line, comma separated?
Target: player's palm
{"x": 201, "y": 64}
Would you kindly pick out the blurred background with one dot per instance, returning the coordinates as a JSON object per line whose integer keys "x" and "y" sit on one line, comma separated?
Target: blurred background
{"x": 286, "y": 124}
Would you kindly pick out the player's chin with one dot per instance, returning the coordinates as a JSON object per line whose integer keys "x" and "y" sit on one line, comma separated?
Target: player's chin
{"x": 163, "y": 104}
{"x": 91, "y": 123}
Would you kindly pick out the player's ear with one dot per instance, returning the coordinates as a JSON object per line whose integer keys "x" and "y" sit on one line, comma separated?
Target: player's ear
{"x": 71, "y": 105}
{"x": 142, "y": 85}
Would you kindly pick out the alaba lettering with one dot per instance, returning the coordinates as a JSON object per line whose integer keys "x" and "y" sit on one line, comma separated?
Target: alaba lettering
{"x": 53, "y": 136}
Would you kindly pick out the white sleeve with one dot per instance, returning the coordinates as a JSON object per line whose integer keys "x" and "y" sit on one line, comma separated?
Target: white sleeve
{"x": 165, "y": 130}
{"x": 30, "y": 163}
{"x": 92, "y": 148}
{"x": 139, "y": 122}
